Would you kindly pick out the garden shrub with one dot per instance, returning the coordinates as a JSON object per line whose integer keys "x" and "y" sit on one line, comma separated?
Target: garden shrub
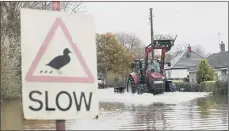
{"x": 205, "y": 72}
{"x": 217, "y": 87}
{"x": 188, "y": 87}
{"x": 183, "y": 85}
{"x": 208, "y": 86}
{"x": 179, "y": 84}
{"x": 195, "y": 87}
{"x": 221, "y": 88}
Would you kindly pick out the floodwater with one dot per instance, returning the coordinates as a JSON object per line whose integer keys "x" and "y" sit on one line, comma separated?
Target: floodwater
{"x": 169, "y": 111}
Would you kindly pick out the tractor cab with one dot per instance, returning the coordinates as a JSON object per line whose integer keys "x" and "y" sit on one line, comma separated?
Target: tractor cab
{"x": 153, "y": 65}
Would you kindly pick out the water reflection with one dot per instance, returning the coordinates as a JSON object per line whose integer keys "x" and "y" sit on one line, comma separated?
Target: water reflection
{"x": 212, "y": 106}
{"x": 11, "y": 115}
{"x": 111, "y": 107}
{"x": 150, "y": 117}
{"x": 203, "y": 113}
{"x": 205, "y": 106}
{"x": 12, "y": 118}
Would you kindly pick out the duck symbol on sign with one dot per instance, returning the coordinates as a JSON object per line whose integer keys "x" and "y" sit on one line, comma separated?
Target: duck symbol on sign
{"x": 59, "y": 61}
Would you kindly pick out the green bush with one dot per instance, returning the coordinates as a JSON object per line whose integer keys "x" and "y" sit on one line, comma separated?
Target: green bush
{"x": 204, "y": 72}
{"x": 179, "y": 84}
{"x": 196, "y": 87}
{"x": 208, "y": 86}
{"x": 218, "y": 87}
{"x": 185, "y": 86}
{"x": 221, "y": 88}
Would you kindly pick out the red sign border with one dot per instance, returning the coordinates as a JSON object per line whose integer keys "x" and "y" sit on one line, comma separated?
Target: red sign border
{"x": 31, "y": 78}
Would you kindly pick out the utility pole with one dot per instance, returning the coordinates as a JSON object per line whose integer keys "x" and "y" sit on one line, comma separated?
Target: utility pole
{"x": 151, "y": 31}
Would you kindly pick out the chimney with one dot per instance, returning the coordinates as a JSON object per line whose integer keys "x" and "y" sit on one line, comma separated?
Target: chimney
{"x": 189, "y": 48}
{"x": 222, "y": 47}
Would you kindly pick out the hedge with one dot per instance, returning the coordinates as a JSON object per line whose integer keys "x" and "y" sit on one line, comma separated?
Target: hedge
{"x": 217, "y": 87}
{"x": 221, "y": 88}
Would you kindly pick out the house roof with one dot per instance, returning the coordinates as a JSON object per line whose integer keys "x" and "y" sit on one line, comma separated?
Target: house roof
{"x": 216, "y": 60}
{"x": 193, "y": 68}
{"x": 181, "y": 61}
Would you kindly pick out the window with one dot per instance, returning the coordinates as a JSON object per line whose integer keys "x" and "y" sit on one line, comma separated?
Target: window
{"x": 224, "y": 74}
{"x": 153, "y": 64}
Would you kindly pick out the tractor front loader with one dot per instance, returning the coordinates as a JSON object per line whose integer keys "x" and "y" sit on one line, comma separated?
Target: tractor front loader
{"x": 148, "y": 75}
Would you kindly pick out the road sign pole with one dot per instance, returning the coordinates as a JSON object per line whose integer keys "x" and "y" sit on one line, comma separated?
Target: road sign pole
{"x": 60, "y": 124}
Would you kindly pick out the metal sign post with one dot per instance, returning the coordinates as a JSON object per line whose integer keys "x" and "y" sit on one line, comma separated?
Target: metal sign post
{"x": 60, "y": 124}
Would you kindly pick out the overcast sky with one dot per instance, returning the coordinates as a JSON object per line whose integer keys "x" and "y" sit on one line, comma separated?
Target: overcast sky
{"x": 195, "y": 23}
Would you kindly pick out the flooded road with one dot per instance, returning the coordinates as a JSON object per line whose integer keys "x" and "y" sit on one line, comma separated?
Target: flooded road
{"x": 169, "y": 111}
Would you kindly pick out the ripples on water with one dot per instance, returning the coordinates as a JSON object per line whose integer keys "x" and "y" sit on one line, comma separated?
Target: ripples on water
{"x": 176, "y": 111}
{"x": 108, "y": 95}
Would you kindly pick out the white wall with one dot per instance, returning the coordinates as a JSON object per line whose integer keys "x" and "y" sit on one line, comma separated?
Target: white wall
{"x": 192, "y": 75}
{"x": 177, "y": 73}
{"x": 219, "y": 73}
{"x": 222, "y": 75}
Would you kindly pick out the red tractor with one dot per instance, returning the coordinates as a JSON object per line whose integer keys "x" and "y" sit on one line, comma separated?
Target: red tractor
{"x": 148, "y": 75}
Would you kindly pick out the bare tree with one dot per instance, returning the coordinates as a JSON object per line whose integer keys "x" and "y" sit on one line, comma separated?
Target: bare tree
{"x": 199, "y": 50}
{"x": 132, "y": 42}
{"x": 10, "y": 14}
{"x": 66, "y": 6}
{"x": 10, "y": 42}
{"x": 139, "y": 52}
{"x": 177, "y": 49}
{"x": 123, "y": 38}
{"x": 72, "y": 7}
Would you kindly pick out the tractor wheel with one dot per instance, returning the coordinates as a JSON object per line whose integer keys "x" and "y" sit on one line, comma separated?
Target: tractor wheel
{"x": 140, "y": 92}
{"x": 130, "y": 86}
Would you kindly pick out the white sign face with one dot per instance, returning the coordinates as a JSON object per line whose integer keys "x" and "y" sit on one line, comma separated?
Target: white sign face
{"x": 59, "y": 65}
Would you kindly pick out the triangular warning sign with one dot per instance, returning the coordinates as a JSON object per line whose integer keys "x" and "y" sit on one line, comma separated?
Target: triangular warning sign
{"x": 30, "y": 77}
